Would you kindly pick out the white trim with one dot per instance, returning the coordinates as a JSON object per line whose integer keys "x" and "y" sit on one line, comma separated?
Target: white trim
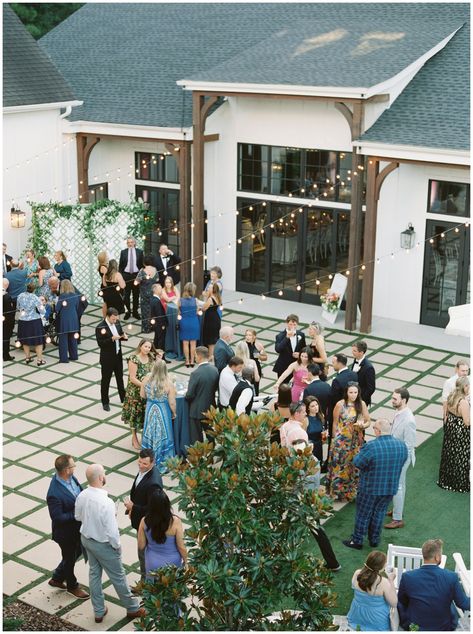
{"x": 157, "y": 184}
{"x": 414, "y": 153}
{"x": 292, "y": 200}
{"x": 140, "y": 131}
{"x": 41, "y": 106}
{"x": 274, "y": 89}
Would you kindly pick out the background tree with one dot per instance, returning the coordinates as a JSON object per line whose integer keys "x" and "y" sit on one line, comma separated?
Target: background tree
{"x": 41, "y": 17}
{"x": 249, "y": 516}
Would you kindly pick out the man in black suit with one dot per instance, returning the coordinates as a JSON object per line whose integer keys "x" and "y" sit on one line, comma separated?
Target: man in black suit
{"x": 289, "y": 343}
{"x": 319, "y": 389}
{"x": 109, "y": 335}
{"x": 61, "y": 499}
{"x": 203, "y": 384}
{"x": 167, "y": 263}
{"x": 364, "y": 369}
{"x": 6, "y": 260}
{"x": 160, "y": 323}
{"x": 145, "y": 484}
{"x": 131, "y": 261}
{"x": 8, "y": 321}
{"x": 223, "y": 351}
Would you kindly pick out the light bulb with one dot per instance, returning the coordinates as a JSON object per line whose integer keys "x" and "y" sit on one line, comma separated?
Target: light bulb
{"x": 117, "y": 288}
{"x": 103, "y": 331}
{"x": 152, "y": 322}
{"x": 17, "y": 344}
{"x": 179, "y": 317}
{"x": 48, "y": 339}
{"x": 76, "y": 335}
{"x": 280, "y": 293}
{"x": 64, "y": 303}
{"x": 298, "y": 287}
{"x": 263, "y": 296}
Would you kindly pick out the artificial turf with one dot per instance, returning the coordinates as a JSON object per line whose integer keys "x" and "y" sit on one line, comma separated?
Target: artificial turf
{"x": 429, "y": 512}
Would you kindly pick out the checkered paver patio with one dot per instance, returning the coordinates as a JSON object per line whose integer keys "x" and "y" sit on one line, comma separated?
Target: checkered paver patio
{"x": 56, "y": 409}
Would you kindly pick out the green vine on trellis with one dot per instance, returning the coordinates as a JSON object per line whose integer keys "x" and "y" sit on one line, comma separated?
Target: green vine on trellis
{"x": 91, "y": 216}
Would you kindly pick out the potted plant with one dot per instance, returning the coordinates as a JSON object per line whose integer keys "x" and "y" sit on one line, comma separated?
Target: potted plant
{"x": 248, "y": 516}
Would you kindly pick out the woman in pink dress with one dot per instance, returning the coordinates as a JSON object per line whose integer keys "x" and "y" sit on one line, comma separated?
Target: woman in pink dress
{"x": 298, "y": 369}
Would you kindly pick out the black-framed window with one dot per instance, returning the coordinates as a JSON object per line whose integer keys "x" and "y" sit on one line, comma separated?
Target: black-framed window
{"x": 164, "y": 209}
{"x": 289, "y": 171}
{"x": 156, "y": 167}
{"x": 98, "y": 191}
{"x": 449, "y": 198}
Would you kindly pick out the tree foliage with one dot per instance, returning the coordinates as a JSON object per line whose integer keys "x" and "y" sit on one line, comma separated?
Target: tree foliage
{"x": 41, "y": 17}
{"x": 248, "y": 515}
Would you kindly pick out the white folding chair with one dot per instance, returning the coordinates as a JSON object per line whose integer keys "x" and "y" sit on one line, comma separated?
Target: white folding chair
{"x": 465, "y": 580}
{"x": 402, "y": 558}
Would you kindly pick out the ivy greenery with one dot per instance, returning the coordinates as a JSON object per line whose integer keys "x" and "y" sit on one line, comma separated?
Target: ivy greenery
{"x": 92, "y": 217}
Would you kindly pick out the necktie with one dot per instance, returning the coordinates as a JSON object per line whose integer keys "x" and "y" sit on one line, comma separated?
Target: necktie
{"x": 236, "y": 377}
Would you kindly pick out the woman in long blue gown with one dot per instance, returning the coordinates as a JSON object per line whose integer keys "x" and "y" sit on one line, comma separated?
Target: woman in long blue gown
{"x": 160, "y": 395}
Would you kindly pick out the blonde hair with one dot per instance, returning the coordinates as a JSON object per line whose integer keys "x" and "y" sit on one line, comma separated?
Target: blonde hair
{"x": 169, "y": 278}
{"x": 102, "y": 258}
{"x": 241, "y": 350}
{"x": 189, "y": 290}
{"x": 66, "y": 287}
{"x": 158, "y": 378}
{"x": 458, "y": 393}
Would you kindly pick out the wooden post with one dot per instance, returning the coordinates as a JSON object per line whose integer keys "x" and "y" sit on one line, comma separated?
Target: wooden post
{"x": 185, "y": 209}
{"x": 198, "y": 190}
{"x": 356, "y": 219}
{"x": 85, "y": 145}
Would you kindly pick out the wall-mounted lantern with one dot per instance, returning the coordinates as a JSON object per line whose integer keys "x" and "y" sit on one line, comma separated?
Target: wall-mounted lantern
{"x": 408, "y": 237}
{"x": 17, "y": 218}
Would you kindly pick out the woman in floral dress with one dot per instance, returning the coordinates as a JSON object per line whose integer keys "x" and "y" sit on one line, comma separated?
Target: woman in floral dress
{"x": 350, "y": 417}
{"x": 139, "y": 365}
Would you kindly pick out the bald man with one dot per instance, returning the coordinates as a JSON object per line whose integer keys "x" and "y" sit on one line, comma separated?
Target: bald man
{"x": 101, "y": 539}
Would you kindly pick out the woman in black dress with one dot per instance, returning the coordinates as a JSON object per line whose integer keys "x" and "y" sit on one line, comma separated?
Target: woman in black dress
{"x": 113, "y": 285}
{"x": 212, "y": 321}
{"x": 455, "y": 461}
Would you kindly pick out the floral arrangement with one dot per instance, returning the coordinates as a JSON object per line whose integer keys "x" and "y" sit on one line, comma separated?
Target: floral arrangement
{"x": 330, "y": 301}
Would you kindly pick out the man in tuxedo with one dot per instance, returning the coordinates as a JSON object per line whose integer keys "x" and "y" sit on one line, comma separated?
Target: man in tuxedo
{"x": 145, "y": 484}
{"x": 365, "y": 371}
{"x": 380, "y": 462}
{"x": 109, "y": 335}
{"x": 61, "y": 498}
{"x": 288, "y": 344}
{"x": 158, "y": 314}
{"x": 203, "y": 384}
{"x": 319, "y": 389}
{"x": 131, "y": 261}
{"x": 6, "y": 260}
{"x": 167, "y": 263}
{"x": 427, "y": 596}
{"x": 9, "y": 321}
{"x": 223, "y": 351}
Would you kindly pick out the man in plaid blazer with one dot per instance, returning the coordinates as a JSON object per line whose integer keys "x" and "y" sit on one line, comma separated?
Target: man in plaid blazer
{"x": 380, "y": 463}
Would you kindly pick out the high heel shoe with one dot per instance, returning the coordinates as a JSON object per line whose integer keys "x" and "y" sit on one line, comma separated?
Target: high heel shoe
{"x": 28, "y": 360}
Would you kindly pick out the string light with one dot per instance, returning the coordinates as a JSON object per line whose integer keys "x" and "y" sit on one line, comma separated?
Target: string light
{"x": 76, "y": 335}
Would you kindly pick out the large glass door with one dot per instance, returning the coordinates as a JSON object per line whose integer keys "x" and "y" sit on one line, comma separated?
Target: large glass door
{"x": 164, "y": 206}
{"x": 446, "y": 280}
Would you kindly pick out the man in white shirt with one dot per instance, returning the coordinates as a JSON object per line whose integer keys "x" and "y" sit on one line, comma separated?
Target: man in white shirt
{"x": 229, "y": 377}
{"x": 241, "y": 399}
{"x": 101, "y": 539}
{"x": 131, "y": 261}
{"x": 403, "y": 428}
{"x": 461, "y": 369}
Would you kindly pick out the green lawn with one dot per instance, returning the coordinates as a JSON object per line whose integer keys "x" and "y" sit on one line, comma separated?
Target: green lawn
{"x": 429, "y": 512}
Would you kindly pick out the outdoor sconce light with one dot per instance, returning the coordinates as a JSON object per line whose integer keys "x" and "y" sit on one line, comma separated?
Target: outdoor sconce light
{"x": 17, "y": 218}
{"x": 408, "y": 237}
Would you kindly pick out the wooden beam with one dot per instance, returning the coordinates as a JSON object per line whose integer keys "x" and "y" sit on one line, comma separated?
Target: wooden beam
{"x": 185, "y": 210}
{"x": 211, "y": 137}
{"x": 198, "y": 190}
{"x": 85, "y": 145}
{"x": 260, "y": 95}
{"x": 356, "y": 221}
{"x": 346, "y": 112}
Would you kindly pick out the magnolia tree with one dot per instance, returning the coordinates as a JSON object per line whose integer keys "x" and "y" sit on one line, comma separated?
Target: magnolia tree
{"x": 249, "y": 517}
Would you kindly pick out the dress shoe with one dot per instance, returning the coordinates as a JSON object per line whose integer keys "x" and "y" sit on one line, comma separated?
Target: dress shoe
{"x": 390, "y": 513}
{"x": 99, "y": 619}
{"x": 57, "y": 584}
{"x": 137, "y": 315}
{"x": 78, "y": 593}
{"x": 336, "y": 569}
{"x": 351, "y": 544}
{"x": 395, "y": 524}
{"x": 106, "y": 407}
{"x": 9, "y": 358}
{"x": 127, "y": 316}
{"x": 136, "y": 615}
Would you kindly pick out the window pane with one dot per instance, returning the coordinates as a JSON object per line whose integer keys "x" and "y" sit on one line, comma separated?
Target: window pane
{"x": 449, "y": 198}
{"x": 252, "y": 252}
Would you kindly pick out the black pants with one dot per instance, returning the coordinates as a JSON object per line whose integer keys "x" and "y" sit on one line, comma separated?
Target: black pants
{"x": 160, "y": 337}
{"x": 131, "y": 289}
{"x": 195, "y": 431}
{"x": 70, "y": 551}
{"x": 113, "y": 367}
{"x": 325, "y": 546}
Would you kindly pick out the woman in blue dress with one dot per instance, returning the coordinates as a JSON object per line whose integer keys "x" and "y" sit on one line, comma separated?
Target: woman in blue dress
{"x": 30, "y": 325}
{"x": 161, "y": 535}
{"x": 68, "y": 310}
{"x": 189, "y": 324}
{"x": 45, "y": 273}
{"x": 62, "y": 266}
{"x": 374, "y": 596}
{"x": 160, "y": 411}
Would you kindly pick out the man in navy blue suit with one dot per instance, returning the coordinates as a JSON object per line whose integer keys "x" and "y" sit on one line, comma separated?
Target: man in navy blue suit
{"x": 61, "y": 499}
{"x": 380, "y": 462}
{"x": 427, "y": 595}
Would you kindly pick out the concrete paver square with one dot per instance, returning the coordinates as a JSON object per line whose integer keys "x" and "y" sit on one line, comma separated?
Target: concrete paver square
{"x": 44, "y": 555}
{"x": 43, "y": 461}
{"x": 47, "y": 599}
{"x": 45, "y": 414}
{"x": 14, "y": 387}
{"x": 71, "y": 385}
{"x": 388, "y": 384}
{"x": 97, "y": 413}
{"x": 425, "y": 392}
{"x": 43, "y": 376}
{"x": 37, "y": 489}
{"x": 400, "y": 348}
{"x": 385, "y": 357}
{"x": 17, "y": 576}
{"x": 15, "y": 476}
{"x": 132, "y": 578}
{"x": 340, "y": 337}
{"x": 129, "y": 549}
{"x": 444, "y": 370}
{"x": 15, "y": 505}
{"x": 401, "y": 374}
{"x": 47, "y": 436}
{"x": 131, "y": 468}
{"x": 109, "y": 456}
{"x": 40, "y": 520}
{"x": 83, "y": 616}
{"x": 77, "y": 446}
{"x": 73, "y": 423}
{"x": 417, "y": 364}
{"x": 429, "y": 425}
{"x": 90, "y": 374}
{"x": 15, "y": 449}
{"x": 432, "y": 355}
{"x": 16, "y": 538}
{"x": 107, "y": 433}
{"x": 72, "y": 403}
{"x": 17, "y": 405}
{"x": 260, "y": 323}
{"x": 433, "y": 410}
{"x": 432, "y": 380}
{"x": 44, "y": 395}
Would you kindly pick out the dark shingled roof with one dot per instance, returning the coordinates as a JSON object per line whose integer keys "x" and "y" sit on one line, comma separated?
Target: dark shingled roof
{"x": 29, "y": 75}
{"x": 123, "y": 60}
{"x": 434, "y": 109}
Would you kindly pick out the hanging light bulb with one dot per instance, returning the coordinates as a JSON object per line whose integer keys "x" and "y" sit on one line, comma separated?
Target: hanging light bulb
{"x": 152, "y": 322}
{"x": 263, "y": 296}
{"x": 48, "y": 339}
{"x": 103, "y": 331}
{"x": 298, "y": 287}
{"x": 240, "y": 301}
{"x": 64, "y": 303}
{"x": 17, "y": 344}
{"x": 280, "y": 293}
{"x": 76, "y": 335}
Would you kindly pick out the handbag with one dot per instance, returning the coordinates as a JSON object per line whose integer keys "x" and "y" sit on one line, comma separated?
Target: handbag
{"x": 394, "y": 619}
